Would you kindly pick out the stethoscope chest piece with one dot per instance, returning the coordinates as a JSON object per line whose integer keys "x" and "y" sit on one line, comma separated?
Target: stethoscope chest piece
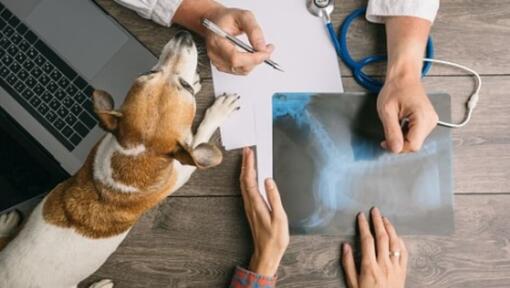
{"x": 321, "y": 8}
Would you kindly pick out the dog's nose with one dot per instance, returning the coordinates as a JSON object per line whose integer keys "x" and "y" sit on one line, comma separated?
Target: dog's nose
{"x": 184, "y": 37}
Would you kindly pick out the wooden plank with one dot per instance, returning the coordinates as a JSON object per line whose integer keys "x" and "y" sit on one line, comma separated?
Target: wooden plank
{"x": 196, "y": 242}
{"x": 474, "y": 33}
{"x": 481, "y": 149}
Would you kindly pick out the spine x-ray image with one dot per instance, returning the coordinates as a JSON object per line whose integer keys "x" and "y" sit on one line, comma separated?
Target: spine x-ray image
{"x": 329, "y": 165}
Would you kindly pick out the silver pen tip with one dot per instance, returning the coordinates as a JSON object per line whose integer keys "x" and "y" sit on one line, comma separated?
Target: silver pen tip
{"x": 277, "y": 67}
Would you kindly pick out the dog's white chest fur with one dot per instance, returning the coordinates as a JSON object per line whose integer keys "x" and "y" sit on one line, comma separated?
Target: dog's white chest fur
{"x": 44, "y": 255}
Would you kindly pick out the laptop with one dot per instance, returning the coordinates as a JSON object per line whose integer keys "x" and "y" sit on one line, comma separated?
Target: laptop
{"x": 53, "y": 54}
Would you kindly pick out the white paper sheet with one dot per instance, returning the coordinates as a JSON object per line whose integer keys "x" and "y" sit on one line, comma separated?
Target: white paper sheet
{"x": 304, "y": 51}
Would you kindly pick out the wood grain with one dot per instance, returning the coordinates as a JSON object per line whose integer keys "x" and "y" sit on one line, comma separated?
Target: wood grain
{"x": 196, "y": 242}
{"x": 481, "y": 149}
{"x": 482, "y": 143}
{"x": 474, "y": 33}
{"x": 195, "y": 238}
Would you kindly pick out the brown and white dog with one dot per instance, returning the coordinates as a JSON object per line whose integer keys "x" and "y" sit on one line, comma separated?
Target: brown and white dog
{"x": 147, "y": 153}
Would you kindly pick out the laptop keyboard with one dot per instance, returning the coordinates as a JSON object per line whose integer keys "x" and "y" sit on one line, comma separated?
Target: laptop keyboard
{"x": 49, "y": 89}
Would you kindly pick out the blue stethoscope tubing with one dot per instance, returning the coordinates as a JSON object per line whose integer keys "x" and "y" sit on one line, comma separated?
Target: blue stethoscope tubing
{"x": 340, "y": 43}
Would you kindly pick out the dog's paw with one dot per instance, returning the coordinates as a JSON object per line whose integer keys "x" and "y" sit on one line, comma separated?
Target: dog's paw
{"x": 223, "y": 106}
{"x": 105, "y": 283}
{"x": 9, "y": 223}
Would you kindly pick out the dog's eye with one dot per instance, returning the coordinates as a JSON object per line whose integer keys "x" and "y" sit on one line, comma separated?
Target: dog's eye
{"x": 186, "y": 86}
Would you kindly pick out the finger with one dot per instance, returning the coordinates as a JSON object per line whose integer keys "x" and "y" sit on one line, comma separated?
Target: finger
{"x": 269, "y": 48}
{"x": 242, "y": 62}
{"x": 249, "y": 25}
{"x": 405, "y": 255}
{"x": 349, "y": 267}
{"x": 223, "y": 68}
{"x": 220, "y": 51}
{"x": 394, "y": 140}
{"x": 247, "y": 61}
{"x": 248, "y": 173}
{"x": 275, "y": 201}
{"x": 249, "y": 182}
{"x": 225, "y": 54}
{"x": 258, "y": 60}
{"x": 246, "y": 199}
{"x": 248, "y": 177}
{"x": 243, "y": 70}
{"x": 382, "y": 239}
{"x": 394, "y": 240}
{"x": 367, "y": 241}
{"x": 218, "y": 62}
{"x": 419, "y": 129}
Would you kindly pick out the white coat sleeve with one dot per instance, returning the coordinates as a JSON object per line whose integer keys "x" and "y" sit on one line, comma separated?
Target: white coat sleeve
{"x": 159, "y": 11}
{"x": 377, "y": 10}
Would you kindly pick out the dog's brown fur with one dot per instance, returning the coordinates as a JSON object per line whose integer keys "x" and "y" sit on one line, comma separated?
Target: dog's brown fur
{"x": 4, "y": 241}
{"x": 96, "y": 211}
{"x": 153, "y": 114}
{"x": 136, "y": 165}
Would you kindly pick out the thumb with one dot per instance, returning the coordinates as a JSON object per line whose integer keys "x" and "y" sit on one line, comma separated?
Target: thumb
{"x": 394, "y": 140}
{"x": 418, "y": 131}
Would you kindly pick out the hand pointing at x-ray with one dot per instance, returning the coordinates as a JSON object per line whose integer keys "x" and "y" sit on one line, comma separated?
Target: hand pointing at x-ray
{"x": 403, "y": 94}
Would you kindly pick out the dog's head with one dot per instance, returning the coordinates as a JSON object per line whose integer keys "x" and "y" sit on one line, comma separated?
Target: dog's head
{"x": 160, "y": 106}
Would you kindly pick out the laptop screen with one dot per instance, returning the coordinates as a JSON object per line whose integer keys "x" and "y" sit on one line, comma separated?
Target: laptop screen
{"x": 26, "y": 169}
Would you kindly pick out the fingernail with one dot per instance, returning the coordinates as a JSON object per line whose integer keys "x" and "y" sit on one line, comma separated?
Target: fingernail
{"x": 361, "y": 215}
{"x": 376, "y": 211}
{"x": 383, "y": 145}
{"x": 270, "y": 183}
{"x": 345, "y": 248}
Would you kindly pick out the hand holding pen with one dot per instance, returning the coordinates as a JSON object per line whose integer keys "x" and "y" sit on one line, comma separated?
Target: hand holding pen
{"x": 223, "y": 51}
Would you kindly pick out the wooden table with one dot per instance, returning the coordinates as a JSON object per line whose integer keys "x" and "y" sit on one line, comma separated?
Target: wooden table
{"x": 197, "y": 236}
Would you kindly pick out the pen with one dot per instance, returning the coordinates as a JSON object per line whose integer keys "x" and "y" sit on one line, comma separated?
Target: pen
{"x": 218, "y": 31}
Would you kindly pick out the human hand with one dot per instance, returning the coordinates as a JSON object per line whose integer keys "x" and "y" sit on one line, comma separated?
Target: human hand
{"x": 225, "y": 55}
{"x": 403, "y": 95}
{"x": 383, "y": 261}
{"x": 405, "y": 98}
{"x": 269, "y": 229}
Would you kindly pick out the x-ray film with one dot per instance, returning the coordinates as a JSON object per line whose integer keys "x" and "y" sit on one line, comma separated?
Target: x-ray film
{"x": 329, "y": 166}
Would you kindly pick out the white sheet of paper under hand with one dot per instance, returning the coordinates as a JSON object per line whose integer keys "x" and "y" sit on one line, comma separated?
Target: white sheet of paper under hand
{"x": 304, "y": 51}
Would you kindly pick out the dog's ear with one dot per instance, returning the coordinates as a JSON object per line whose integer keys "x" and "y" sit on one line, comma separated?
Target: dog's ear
{"x": 103, "y": 106}
{"x": 203, "y": 156}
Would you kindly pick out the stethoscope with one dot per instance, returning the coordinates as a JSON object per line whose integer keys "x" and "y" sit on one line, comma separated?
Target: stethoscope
{"x": 324, "y": 8}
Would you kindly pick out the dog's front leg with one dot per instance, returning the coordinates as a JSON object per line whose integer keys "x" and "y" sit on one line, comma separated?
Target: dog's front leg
{"x": 215, "y": 115}
{"x": 223, "y": 106}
